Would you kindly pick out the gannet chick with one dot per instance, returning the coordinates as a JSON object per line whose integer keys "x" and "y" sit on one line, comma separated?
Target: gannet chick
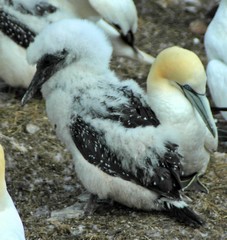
{"x": 21, "y": 20}
{"x": 215, "y": 41}
{"x": 10, "y": 223}
{"x": 120, "y": 149}
{"x": 176, "y": 88}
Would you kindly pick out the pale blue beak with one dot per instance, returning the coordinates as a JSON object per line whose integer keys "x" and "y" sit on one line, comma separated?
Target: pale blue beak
{"x": 201, "y": 104}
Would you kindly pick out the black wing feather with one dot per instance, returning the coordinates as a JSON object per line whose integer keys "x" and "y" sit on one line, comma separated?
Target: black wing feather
{"x": 15, "y": 30}
{"x": 166, "y": 178}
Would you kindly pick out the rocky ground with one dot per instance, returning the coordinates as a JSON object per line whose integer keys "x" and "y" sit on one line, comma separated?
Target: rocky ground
{"x": 40, "y": 174}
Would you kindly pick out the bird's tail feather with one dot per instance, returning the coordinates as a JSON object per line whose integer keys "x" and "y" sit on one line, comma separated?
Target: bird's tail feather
{"x": 183, "y": 214}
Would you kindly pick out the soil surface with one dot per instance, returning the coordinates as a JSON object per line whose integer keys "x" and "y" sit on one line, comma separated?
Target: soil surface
{"x": 40, "y": 174}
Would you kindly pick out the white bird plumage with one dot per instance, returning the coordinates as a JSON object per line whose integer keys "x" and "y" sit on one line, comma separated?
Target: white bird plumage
{"x": 126, "y": 19}
{"x": 215, "y": 42}
{"x": 32, "y": 16}
{"x": 11, "y": 227}
{"x": 217, "y": 82}
{"x": 176, "y": 88}
{"x": 120, "y": 149}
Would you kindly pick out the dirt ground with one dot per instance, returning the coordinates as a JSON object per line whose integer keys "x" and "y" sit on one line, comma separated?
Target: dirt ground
{"x": 40, "y": 174}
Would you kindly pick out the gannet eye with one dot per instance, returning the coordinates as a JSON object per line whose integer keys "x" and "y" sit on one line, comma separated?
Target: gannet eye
{"x": 186, "y": 86}
{"x": 189, "y": 88}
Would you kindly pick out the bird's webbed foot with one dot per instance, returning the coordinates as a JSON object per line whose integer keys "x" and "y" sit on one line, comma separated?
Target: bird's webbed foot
{"x": 193, "y": 183}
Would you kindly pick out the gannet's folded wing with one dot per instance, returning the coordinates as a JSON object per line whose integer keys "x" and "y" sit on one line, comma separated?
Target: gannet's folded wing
{"x": 163, "y": 178}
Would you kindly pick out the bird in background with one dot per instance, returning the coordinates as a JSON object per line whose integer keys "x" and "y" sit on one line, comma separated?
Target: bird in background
{"x": 215, "y": 41}
{"x": 21, "y": 20}
{"x": 11, "y": 226}
{"x": 176, "y": 89}
{"x": 118, "y": 19}
{"x": 120, "y": 149}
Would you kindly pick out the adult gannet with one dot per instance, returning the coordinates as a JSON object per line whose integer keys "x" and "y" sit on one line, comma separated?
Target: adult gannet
{"x": 10, "y": 223}
{"x": 21, "y": 20}
{"x": 120, "y": 149}
{"x": 215, "y": 45}
{"x": 122, "y": 15}
{"x": 176, "y": 88}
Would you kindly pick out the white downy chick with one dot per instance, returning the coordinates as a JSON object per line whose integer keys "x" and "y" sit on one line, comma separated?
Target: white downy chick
{"x": 120, "y": 149}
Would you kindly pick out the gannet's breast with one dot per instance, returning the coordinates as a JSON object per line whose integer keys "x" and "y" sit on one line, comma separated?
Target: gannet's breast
{"x": 10, "y": 223}
{"x": 11, "y": 226}
{"x": 173, "y": 109}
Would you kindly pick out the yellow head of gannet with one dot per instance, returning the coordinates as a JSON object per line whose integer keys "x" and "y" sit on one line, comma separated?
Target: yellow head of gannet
{"x": 176, "y": 67}
{"x": 10, "y": 223}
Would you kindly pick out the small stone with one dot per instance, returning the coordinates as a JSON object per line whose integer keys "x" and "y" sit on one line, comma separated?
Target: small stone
{"x": 74, "y": 211}
{"x": 196, "y": 41}
{"x": 198, "y": 27}
{"x": 31, "y": 128}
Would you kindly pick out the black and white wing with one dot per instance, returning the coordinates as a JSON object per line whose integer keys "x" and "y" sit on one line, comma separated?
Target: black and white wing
{"x": 92, "y": 145}
{"x": 15, "y": 30}
{"x": 133, "y": 113}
